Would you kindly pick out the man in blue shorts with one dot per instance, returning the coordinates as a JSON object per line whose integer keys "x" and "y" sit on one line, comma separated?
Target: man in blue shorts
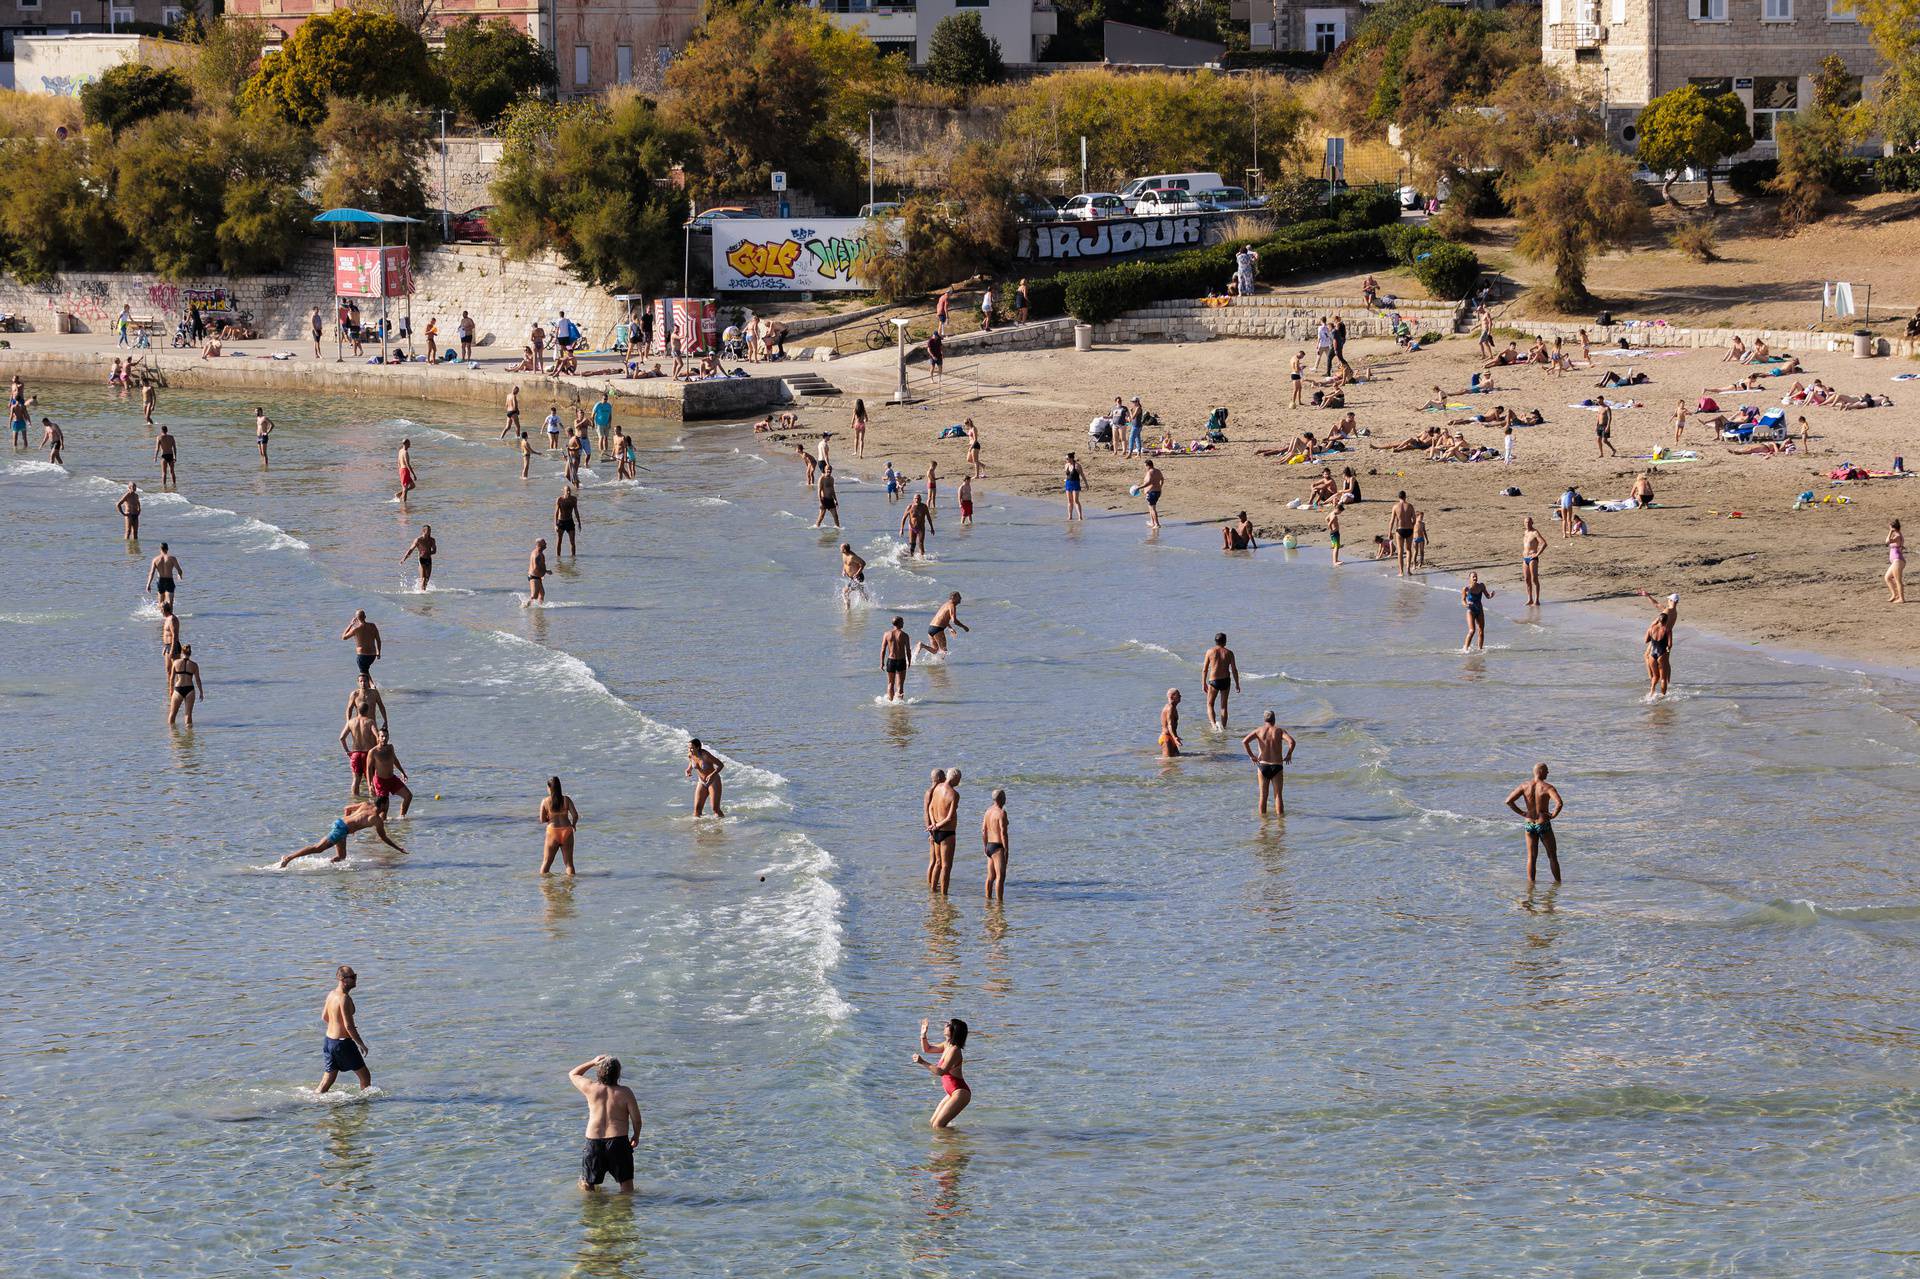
{"x": 357, "y": 816}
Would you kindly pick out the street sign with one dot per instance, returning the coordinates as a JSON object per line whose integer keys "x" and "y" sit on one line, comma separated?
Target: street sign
{"x": 779, "y": 179}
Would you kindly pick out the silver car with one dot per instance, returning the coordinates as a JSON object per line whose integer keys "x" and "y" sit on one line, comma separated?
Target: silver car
{"x": 1093, "y": 206}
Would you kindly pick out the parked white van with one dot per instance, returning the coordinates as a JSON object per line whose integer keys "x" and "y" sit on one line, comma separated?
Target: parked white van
{"x": 1132, "y": 192}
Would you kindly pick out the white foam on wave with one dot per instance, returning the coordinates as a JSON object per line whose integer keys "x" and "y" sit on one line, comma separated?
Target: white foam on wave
{"x": 891, "y": 552}
{"x": 664, "y": 739}
{"x": 891, "y": 701}
{"x": 147, "y": 611}
{"x": 36, "y": 468}
{"x": 790, "y": 927}
{"x": 709, "y": 501}
{"x": 41, "y": 618}
{"x": 1156, "y": 649}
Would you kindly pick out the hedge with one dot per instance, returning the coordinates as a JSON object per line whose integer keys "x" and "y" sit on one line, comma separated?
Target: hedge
{"x": 1858, "y": 174}
{"x": 1447, "y": 270}
{"x": 1364, "y": 207}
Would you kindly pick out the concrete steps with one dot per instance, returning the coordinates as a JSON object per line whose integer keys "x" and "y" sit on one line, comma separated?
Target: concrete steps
{"x": 809, "y": 386}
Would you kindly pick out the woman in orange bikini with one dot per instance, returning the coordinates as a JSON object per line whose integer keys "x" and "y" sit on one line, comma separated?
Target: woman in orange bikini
{"x": 947, "y": 1068}
{"x": 558, "y": 812}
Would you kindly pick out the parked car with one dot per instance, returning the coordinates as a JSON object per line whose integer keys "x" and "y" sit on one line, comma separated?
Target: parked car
{"x": 1092, "y": 206}
{"x": 1034, "y": 208}
{"x": 1228, "y": 199}
{"x": 472, "y": 225}
{"x": 704, "y": 220}
{"x": 880, "y": 209}
{"x": 1409, "y": 197}
{"x": 1163, "y": 200}
{"x": 1178, "y": 181}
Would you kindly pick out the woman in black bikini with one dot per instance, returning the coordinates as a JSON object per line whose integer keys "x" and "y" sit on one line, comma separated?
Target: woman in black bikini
{"x": 186, "y": 685}
{"x": 1659, "y": 639}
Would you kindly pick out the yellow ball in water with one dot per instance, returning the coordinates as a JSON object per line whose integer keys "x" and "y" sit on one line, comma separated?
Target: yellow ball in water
{"x": 436, "y": 796}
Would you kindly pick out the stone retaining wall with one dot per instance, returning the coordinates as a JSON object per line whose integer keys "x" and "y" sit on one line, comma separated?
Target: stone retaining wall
{"x": 1667, "y": 335}
{"x": 1196, "y": 323}
{"x": 1035, "y": 335}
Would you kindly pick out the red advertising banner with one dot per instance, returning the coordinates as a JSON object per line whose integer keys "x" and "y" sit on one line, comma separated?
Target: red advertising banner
{"x": 691, "y": 323}
{"x": 357, "y": 273}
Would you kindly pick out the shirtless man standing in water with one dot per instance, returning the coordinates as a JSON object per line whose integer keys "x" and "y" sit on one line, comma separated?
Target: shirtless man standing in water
{"x": 916, "y": 524}
{"x": 344, "y": 1049}
{"x": 357, "y": 737}
{"x": 129, "y": 508}
{"x": 829, "y": 499}
{"x": 1219, "y": 671}
{"x": 163, "y": 574}
{"x": 1400, "y": 522}
{"x": 262, "y": 428}
{"x": 537, "y": 573}
{"x": 365, "y": 700}
{"x": 165, "y": 447}
{"x": 996, "y": 843}
{"x": 566, "y": 520}
{"x": 404, "y": 460}
{"x": 1170, "y": 725}
{"x": 707, "y": 785}
{"x": 1270, "y": 747}
{"x": 944, "y": 620}
{"x": 169, "y": 637}
{"x": 513, "y": 413}
{"x": 366, "y": 640}
{"x": 943, "y": 824}
{"x": 386, "y": 775}
{"x": 896, "y": 651}
{"x": 613, "y": 1123}
{"x": 424, "y": 546}
{"x": 1532, "y": 543}
{"x": 1539, "y": 803}
{"x": 854, "y": 570}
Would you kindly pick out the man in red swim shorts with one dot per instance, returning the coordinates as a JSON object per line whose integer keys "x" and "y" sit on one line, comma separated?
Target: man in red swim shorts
{"x": 356, "y": 739}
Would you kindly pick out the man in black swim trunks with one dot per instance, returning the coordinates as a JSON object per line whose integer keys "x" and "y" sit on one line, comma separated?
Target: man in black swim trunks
{"x": 424, "y": 546}
{"x": 613, "y": 1123}
{"x": 1270, "y": 747}
{"x": 1400, "y": 520}
{"x": 896, "y": 650}
{"x": 163, "y": 573}
{"x": 1220, "y": 672}
{"x": 566, "y": 518}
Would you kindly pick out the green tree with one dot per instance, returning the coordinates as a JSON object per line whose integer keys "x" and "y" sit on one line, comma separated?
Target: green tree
{"x": 970, "y": 231}
{"x": 374, "y": 151}
{"x": 962, "y": 55}
{"x": 167, "y": 194}
{"x": 1813, "y": 142}
{"x": 1575, "y": 202}
{"x": 132, "y": 92}
{"x": 1534, "y": 109}
{"x": 264, "y": 217}
{"x": 228, "y": 56}
{"x": 1687, "y": 128}
{"x": 349, "y": 53}
{"x": 1894, "y": 28}
{"x": 486, "y": 65}
{"x": 1411, "y": 62}
{"x": 53, "y": 209}
{"x": 585, "y": 179}
{"x": 761, "y": 87}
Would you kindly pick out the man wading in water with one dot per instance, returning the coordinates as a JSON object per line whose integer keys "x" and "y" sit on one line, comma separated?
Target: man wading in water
{"x": 613, "y": 1123}
{"x": 1539, "y": 803}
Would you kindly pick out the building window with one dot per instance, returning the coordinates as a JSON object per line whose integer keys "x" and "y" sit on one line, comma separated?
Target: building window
{"x": 122, "y": 15}
{"x": 1776, "y": 10}
{"x": 1773, "y": 97}
{"x": 666, "y": 55}
{"x": 623, "y": 64}
{"x": 1619, "y": 12}
{"x": 35, "y": 4}
{"x": 1712, "y": 85}
{"x": 969, "y": 4}
{"x": 1708, "y": 10}
{"x": 582, "y": 56}
{"x": 168, "y": 17}
{"x": 1841, "y": 11}
{"x": 1326, "y": 29}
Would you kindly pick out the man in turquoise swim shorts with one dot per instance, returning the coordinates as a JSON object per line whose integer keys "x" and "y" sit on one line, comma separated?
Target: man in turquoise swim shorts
{"x": 355, "y": 817}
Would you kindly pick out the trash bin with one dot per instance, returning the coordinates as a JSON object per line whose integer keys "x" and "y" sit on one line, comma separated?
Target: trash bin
{"x": 1862, "y": 345}
{"x": 63, "y": 322}
{"x": 1083, "y": 337}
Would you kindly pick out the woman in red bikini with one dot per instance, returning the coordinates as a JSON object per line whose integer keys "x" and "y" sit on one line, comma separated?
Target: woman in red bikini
{"x": 947, "y": 1067}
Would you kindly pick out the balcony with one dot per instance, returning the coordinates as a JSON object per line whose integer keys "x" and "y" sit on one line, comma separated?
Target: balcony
{"x": 1576, "y": 35}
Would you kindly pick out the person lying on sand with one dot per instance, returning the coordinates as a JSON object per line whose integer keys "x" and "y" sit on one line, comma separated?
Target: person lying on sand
{"x": 1867, "y": 401}
{"x": 1632, "y": 377}
{"x": 1751, "y": 382}
{"x": 1411, "y": 444}
{"x": 1766, "y": 450}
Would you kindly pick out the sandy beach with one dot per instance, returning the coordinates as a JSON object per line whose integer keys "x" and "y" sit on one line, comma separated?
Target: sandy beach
{"x": 1723, "y": 532}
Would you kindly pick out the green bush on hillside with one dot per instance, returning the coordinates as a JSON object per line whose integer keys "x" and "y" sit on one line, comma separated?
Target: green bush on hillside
{"x": 1447, "y": 270}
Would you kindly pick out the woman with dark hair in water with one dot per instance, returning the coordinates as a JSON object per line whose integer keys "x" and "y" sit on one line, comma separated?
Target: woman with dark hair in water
{"x": 947, "y": 1067}
{"x": 558, "y": 812}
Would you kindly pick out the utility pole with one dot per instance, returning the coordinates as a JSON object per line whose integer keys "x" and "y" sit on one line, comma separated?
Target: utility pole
{"x": 869, "y": 157}
{"x": 1083, "y": 164}
{"x": 446, "y": 214}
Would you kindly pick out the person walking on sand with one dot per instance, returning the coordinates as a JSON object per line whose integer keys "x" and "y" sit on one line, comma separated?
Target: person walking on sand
{"x": 896, "y": 651}
{"x": 943, "y": 826}
{"x": 356, "y": 816}
{"x": 707, "y": 786}
{"x": 561, "y": 817}
{"x": 1473, "y": 597}
{"x": 408, "y": 476}
{"x": 1538, "y": 803}
{"x": 996, "y": 843}
{"x": 163, "y": 574}
{"x": 613, "y": 1123}
{"x": 1075, "y": 481}
{"x": 513, "y": 415}
{"x": 366, "y": 640}
{"x": 425, "y": 547}
{"x": 1400, "y": 523}
{"x": 165, "y": 447}
{"x": 129, "y": 507}
{"x": 1270, "y": 747}
{"x": 537, "y": 572}
{"x": 1150, "y": 485}
{"x": 1533, "y": 544}
{"x": 944, "y": 619}
{"x": 567, "y": 520}
{"x": 187, "y": 686}
{"x": 915, "y": 524}
{"x": 386, "y": 775}
{"x": 1896, "y": 564}
{"x": 345, "y": 1048}
{"x": 829, "y": 499}
{"x": 1333, "y": 530}
{"x": 1603, "y": 431}
{"x": 946, "y": 1068}
{"x": 1170, "y": 725}
{"x": 1220, "y": 672}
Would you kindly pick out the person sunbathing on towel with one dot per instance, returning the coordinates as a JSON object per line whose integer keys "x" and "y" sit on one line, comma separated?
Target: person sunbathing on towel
{"x": 1758, "y": 353}
{"x": 1412, "y": 444}
{"x": 1867, "y": 401}
{"x": 1631, "y": 377}
{"x": 1736, "y": 352}
{"x": 1751, "y": 382}
{"x": 1765, "y": 450}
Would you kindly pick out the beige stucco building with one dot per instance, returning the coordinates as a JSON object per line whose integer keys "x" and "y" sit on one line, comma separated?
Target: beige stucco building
{"x": 1629, "y": 52}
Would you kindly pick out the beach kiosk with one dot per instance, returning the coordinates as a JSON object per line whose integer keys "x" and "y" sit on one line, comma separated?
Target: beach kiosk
{"x": 383, "y": 272}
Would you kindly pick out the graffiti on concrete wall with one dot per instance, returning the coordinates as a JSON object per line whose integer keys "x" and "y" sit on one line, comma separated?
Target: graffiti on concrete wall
{"x": 768, "y": 255}
{"x": 1112, "y": 238}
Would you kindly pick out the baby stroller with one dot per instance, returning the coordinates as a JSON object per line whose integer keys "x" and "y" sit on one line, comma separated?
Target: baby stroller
{"x": 732, "y": 345}
{"x": 181, "y": 337}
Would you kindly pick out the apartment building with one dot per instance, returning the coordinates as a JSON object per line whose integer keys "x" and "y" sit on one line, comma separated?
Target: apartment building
{"x": 1765, "y": 52}
{"x": 596, "y": 44}
{"x": 1022, "y": 27}
{"x": 1314, "y": 26}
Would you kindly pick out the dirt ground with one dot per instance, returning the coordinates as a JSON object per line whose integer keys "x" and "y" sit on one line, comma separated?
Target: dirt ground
{"x": 1801, "y": 580}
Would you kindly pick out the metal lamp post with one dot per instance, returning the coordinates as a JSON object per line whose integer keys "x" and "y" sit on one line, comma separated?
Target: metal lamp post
{"x": 900, "y": 395}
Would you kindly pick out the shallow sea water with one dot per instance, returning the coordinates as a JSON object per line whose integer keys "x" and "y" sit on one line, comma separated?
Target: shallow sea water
{"x": 1349, "y": 1041}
